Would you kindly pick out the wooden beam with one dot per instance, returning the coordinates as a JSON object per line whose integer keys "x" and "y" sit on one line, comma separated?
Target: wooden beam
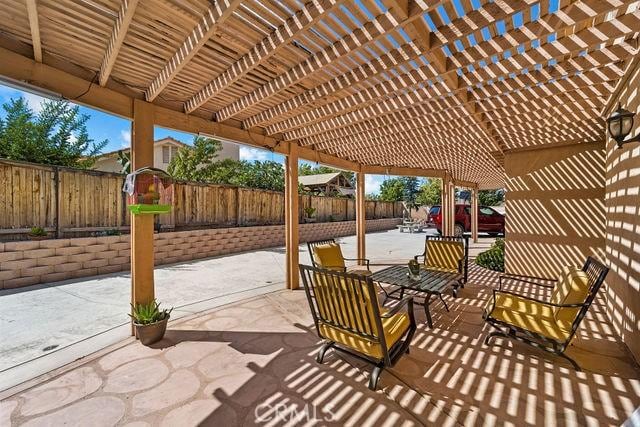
{"x": 125, "y": 15}
{"x": 281, "y": 36}
{"x": 399, "y": 171}
{"x": 412, "y": 93}
{"x": 51, "y": 79}
{"x": 361, "y": 214}
{"x": 34, "y": 25}
{"x": 371, "y": 31}
{"x": 212, "y": 19}
{"x": 292, "y": 239}
{"x": 21, "y": 68}
{"x": 474, "y": 214}
{"x": 142, "y": 261}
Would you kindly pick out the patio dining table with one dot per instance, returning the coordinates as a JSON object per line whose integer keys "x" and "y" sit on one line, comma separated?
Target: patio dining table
{"x": 430, "y": 283}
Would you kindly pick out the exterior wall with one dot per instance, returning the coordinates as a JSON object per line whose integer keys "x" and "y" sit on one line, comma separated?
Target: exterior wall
{"x": 623, "y": 224}
{"x": 229, "y": 151}
{"x": 110, "y": 163}
{"x": 33, "y": 262}
{"x": 555, "y": 211}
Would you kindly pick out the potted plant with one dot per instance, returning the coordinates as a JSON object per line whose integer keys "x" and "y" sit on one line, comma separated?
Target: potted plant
{"x": 150, "y": 321}
{"x": 309, "y": 211}
{"x": 37, "y": 233}
{"x": 414, "y": 269}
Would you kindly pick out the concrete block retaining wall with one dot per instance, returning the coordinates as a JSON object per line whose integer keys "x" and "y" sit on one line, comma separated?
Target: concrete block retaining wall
{"x": 28, "y": 263}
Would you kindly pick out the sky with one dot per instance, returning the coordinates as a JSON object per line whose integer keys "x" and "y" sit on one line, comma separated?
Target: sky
{"x": 117, "y": 131}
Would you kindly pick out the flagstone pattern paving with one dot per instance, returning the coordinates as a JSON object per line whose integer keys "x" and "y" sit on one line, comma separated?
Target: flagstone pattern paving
{"x": 252, "y": 363}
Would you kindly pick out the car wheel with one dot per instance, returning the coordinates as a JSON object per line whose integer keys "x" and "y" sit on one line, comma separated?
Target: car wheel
{"x": 458, "y": 230}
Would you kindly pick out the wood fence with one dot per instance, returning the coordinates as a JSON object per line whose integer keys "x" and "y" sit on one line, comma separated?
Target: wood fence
{"x": 67, "y": 201}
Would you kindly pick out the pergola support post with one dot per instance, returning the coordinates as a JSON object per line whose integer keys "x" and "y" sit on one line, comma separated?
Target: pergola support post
{"x": 361, "y": 213}
{"x": 448, "y": 205}
{"x": 291, "y": 217}
{"x": 474, "y": 214}
{"x": 142, "y": 262}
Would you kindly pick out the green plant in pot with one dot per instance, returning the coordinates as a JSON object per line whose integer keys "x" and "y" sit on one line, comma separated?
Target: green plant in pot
{"x": 150, "y": 321}
{"x": 37, "y": 233}
{"x": 309, "y": 211}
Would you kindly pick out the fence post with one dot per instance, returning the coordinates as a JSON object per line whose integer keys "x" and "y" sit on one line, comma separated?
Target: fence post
{"x": 56, "y": 182}
{"x": 238, "y": 221}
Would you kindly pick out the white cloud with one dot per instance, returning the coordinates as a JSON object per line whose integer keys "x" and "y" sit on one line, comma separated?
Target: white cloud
{"x": 125, "y": 136}
{"x": 372, "y": 183}
{"x": 34, "y": 101}
{"x": 251, "y": 154}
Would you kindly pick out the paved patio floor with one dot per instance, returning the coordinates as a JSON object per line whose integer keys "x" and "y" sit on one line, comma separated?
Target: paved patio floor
{"x": 68, "y": 320}
{"x": 252, "y": 363}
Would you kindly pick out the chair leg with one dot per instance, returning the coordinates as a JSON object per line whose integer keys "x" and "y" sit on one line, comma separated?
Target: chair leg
{"x": 573, "y": 362}
{"x": 494, "y": 334}
{"x": 323, "y": 350}
{"x": 446, "y": 307}
{"x": 427, "y": 312}
{"x": 375, "y": 376}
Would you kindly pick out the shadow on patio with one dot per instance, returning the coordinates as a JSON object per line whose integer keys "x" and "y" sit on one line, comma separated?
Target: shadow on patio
{"x": 253, "y": 363}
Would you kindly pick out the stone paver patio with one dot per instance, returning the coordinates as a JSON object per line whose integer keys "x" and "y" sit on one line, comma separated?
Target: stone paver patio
{"x": 252, "y": 363}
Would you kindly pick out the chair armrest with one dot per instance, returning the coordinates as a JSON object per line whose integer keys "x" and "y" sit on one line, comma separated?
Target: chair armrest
{"x": 406, "y": 301}
{"x": 421, "y": 255}
{"x": 358, "y": 259}
{"x": 539, "y": 301}
{"x": 524, "y": 279}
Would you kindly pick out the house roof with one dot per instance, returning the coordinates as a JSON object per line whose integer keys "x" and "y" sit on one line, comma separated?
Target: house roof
{"x": 161, "y": 141}
{"x": 318, "y": 179}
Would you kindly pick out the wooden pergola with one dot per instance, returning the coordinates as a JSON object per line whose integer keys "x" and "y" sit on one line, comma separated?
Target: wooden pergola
{"x": 400, "y": 87}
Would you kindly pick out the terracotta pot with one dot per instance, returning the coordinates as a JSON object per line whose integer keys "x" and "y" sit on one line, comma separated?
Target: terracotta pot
{"x": 151, "y": 333}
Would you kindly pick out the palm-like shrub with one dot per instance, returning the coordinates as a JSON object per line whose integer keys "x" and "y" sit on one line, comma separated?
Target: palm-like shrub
{"x": 145, "y": 314}
{"x": 493, "y": 259}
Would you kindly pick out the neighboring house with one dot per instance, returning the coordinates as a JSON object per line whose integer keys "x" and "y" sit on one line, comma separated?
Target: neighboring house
{"x": 163, "y": 151}
{"x": 329, "y": 184}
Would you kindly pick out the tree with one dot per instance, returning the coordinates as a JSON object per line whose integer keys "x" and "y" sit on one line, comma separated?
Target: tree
{"x": 410, "y": 190}
{"x": 193, "y": 163}
{"x": 124, "y": 159}
{"x": 399, "y": 189}
{"x": 267, "y": 175}
{"x": 57, "y": 135}
{"x": 430, "y": 193}
{"x": 491, "y": 197}
{"x": 392, "y": 190}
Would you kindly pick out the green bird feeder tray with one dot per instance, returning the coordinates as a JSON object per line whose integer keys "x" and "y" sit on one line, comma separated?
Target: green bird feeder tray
{"x": 150, "y": 192}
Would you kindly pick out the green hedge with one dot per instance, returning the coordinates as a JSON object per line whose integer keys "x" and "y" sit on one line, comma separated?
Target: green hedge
{"x": 493, "y": 259}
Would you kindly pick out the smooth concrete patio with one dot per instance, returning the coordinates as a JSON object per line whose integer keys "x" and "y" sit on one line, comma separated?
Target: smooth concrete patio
{"x": 252, "y": 363}
{"x": 68, "y": 320}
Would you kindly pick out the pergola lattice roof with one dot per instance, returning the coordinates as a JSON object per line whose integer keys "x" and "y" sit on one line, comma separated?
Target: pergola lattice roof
{"x": 445, "y": 85}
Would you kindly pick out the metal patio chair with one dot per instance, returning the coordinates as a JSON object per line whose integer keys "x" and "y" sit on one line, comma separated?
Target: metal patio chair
{"x": 348, "y": 318}
{"x": 548, "y": 325}
{"x": 327, "y": 254}
{"x": 446, "y": 253}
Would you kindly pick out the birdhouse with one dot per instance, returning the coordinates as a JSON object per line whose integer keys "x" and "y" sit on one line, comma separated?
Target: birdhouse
{"x": 149, "y": 191}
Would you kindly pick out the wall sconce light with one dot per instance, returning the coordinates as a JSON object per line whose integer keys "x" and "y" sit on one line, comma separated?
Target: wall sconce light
{"x": 620, "y": 123}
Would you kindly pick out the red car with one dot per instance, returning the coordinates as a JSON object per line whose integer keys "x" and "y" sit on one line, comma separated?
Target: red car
{"x": 489, "y": 220}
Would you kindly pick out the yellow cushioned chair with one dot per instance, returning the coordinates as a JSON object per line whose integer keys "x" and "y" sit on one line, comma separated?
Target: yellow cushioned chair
{"x": 349, "y": 318}
{"x": 447, "y": 254}
{"x": 552, "y": 324}
{"x": 328, "y": 254}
